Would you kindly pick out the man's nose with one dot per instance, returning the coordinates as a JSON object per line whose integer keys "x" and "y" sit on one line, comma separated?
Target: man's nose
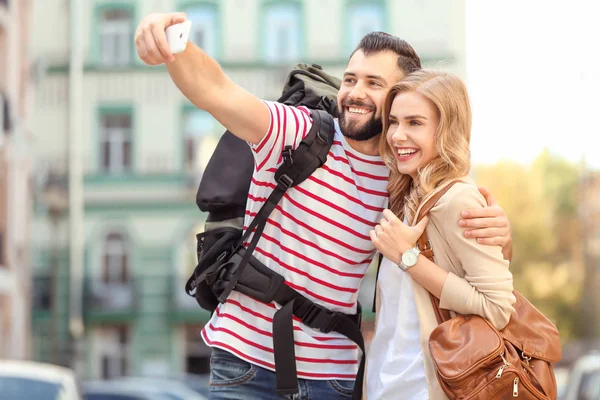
{"x": 358, "y": 92}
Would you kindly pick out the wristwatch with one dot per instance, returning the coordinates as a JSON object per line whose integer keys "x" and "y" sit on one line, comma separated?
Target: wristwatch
{"x": 409, "y": 258}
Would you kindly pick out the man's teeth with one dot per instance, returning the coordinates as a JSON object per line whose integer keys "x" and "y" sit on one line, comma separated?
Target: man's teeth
{"x": 355, "y": 110}
{"x": 406, "y": 152}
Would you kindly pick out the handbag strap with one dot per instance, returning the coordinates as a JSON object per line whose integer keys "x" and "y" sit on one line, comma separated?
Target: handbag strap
{"x": 424, "y": 246}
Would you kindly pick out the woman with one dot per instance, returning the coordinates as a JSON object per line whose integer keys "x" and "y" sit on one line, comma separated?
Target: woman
{"x": 427, "y": 127}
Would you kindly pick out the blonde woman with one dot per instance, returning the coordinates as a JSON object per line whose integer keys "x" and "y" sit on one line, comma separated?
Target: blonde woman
{"x": 427, "y": 128}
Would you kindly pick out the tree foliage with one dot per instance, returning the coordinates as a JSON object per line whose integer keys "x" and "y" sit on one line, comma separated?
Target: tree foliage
{"x": 541, "y": 201}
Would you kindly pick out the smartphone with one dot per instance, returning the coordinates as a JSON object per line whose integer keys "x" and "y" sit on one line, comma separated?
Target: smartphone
{"x": 178, "y": 35}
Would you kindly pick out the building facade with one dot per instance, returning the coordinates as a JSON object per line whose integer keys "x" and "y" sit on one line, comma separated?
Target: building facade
{"x": 145, "y": 147}
{"x": 15, "y": 165}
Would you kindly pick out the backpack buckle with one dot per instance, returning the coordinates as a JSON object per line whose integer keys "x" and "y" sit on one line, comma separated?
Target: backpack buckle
{"x": 321, "y": 319}
{"x": 285, "y": 182}
{"x": 321, "y": 137}
{"x": 287, "y": 155}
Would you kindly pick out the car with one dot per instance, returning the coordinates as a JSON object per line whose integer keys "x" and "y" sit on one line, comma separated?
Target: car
{"x": 111, "y": 390}
{"x": 198, "y": 383}
{"x": 584, "y": 380}
{"x": 23, "y": 380}
{"x": 172, "y": 388}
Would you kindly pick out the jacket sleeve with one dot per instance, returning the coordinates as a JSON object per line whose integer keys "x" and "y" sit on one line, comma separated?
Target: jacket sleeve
{"x": 487, "y": 285}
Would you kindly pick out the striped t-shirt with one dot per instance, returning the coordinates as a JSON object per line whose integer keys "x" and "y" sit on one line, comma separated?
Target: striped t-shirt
{"x": 317, "y": 239}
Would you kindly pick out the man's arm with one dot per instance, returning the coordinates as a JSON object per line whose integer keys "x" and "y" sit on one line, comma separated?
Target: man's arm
{"x": 202, "y": 81}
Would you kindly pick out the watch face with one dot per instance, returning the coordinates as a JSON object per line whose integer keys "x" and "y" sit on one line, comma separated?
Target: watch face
{"x": 409, "y": 258}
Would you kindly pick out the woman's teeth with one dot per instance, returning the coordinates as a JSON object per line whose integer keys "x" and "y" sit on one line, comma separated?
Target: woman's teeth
{"x": 407, "y": 152}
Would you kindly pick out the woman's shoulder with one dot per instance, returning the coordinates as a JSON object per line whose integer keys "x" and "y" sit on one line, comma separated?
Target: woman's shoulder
{"x": 461, "y": 196}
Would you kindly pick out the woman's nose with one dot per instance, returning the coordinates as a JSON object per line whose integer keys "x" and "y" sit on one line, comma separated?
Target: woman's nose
{"x": 399, "y": 135}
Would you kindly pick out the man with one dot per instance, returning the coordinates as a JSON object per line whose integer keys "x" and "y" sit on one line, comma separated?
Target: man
{"x": 318, "y": 236}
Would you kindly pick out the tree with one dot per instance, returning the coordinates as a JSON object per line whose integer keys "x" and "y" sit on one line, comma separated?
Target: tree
{"x": 541, "y": 201}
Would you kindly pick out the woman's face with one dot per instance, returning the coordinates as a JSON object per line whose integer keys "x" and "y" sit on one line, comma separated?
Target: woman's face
{"x": 413, "y": 121}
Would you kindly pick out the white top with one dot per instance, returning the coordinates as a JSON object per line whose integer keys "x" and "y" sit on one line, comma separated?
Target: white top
{"x": 317, "y": 238}
{"x": 395, "y": 362}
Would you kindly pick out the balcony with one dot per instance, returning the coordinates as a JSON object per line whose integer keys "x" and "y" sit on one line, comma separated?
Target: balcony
{"x": 183, "y": 308}
{"x": 112, "y": 302}
{"x": 154, "y": 87}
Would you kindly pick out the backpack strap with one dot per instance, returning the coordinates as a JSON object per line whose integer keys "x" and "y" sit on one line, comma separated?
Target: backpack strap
{"x": 425, "y": 247}
{"x": 298, "y": 165}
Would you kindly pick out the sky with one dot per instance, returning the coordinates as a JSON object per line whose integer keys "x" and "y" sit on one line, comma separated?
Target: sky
{"x": 533, "y": 72}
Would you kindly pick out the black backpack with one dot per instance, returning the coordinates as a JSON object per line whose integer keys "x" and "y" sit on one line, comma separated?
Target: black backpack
{"x": 225, "y": 265}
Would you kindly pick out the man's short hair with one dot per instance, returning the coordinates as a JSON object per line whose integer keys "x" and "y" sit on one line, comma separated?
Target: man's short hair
{"x": 376, "y": 42}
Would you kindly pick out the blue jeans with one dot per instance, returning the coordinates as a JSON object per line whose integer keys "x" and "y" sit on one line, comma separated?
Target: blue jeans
{"x": 232, "y": 378}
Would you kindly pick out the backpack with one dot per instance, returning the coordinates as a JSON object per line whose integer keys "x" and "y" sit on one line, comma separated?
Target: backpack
{"x": 224, "y": 264}
{"x": 233, "y": 162}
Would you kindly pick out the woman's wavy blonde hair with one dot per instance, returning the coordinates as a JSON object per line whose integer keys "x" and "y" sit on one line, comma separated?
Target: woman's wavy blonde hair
{"x": 449, "y": 95}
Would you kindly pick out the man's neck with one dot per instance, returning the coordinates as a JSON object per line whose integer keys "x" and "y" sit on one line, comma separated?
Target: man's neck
{"x": 367, "y": 147}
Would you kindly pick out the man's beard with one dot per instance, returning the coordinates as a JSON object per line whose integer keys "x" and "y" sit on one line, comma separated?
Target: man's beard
{"x": 354, "y": 131}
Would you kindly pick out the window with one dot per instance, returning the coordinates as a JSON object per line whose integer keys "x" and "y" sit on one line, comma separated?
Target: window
{"x": 201, "y": 135}
{"x": 113, "y": 288}
{"x": 204, "y": 31}
{"x": 113, "y": 344}
{"x": 283, "y": 32}
{"x": 116, "y": 37}
{"x": 115, "y": 259}
{"x": 115, "y": 132}
{"x": 362, "y": 19}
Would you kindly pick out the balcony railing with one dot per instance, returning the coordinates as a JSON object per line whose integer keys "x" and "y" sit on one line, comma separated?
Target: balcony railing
{"x": 101, "y": 300}
{"x": 110, "y": 300}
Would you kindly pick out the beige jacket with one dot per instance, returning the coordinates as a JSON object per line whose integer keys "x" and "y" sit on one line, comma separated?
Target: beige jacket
{"x": 479, "y": 281}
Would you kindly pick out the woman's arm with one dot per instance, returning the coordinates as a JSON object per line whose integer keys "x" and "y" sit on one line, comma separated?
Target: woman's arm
{"x": 486, "y": 288}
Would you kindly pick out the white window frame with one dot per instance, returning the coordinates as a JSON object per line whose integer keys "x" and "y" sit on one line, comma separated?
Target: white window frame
{"x": 115, "y": 38}
{"x": 116, "y": 137}
{"x": 112, "y": 348}
{"x": 115, "y": 248}
{"x": 204, "y": 19}
{"x": 203, "y": 131}
{"x": 362, "y": 19}
{"x": 288, "y": 17}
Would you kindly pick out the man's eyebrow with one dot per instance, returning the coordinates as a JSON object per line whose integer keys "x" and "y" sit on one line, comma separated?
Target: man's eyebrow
{"x": 376, "y": 77}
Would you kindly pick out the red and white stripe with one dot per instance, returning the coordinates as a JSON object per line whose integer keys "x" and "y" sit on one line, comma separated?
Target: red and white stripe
{"x": 317, "y": 238}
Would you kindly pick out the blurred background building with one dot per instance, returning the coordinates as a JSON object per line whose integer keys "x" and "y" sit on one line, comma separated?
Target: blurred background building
{"x": 101, "y": 155}
{"x": 144, "y": 147}
{"x": 15, "y": 182}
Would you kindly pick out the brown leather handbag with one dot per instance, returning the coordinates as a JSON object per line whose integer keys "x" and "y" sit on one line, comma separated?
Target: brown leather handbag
{"x": 474, "y": 360}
